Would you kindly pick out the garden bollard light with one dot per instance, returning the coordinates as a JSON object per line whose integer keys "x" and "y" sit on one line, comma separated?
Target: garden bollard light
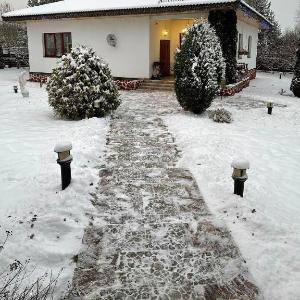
{"x": 270, "y": 107}
{"x": 97, "y": 106}
{"x": 280, "y": 75}
{"x": 97, "y": 103}
{"x": 239, "y": 175}
{"x": 64, "y": 160}
{"x": 16, "y": 89}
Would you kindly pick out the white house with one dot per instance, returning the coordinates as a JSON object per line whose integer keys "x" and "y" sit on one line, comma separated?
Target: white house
{"x": 129, "y": 34}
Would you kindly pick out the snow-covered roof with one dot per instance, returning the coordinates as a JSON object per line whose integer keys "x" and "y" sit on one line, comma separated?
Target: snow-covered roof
{"x": 88, "y": 6}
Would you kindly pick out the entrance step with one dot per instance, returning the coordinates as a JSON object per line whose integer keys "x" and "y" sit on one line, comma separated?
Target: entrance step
{"x": 158, "y": 85}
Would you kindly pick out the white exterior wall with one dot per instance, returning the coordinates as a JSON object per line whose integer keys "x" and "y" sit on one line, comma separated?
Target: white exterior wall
{"x": 248, "y": 30}
{"x": 130, "y": 58}
{"x": 173, "y": 24}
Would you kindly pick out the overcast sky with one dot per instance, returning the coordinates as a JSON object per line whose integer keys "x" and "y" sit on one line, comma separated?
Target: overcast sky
{"x": 285, "y": 10}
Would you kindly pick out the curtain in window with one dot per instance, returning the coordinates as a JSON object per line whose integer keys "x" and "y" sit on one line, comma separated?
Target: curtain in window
{"x": 50, "y": 44}
{"x": 57, "y": 44}
{"x": 67, "y": 42}
{"x": 249, "y": 46}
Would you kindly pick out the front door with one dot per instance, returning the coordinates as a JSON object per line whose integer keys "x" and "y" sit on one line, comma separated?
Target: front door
{"x": 165, "y": 57}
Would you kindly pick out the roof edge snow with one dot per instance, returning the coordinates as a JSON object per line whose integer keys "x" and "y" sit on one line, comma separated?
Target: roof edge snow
{"x": 63, "y": 9}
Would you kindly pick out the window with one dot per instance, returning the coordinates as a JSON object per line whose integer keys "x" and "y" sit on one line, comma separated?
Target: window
{"x": 241, "y": 43}
{"x": 57, "y": 44}
{"x": 249, "y": 46}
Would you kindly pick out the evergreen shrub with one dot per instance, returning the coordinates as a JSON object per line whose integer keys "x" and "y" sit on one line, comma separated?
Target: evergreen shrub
{"x": 80, "y": 78}
{"x": 225, "y": 25}
{"x": 295, "y": 86}
{"x": 199, "y": 68}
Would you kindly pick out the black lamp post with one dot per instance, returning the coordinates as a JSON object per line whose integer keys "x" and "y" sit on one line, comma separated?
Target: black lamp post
{"x": 239, "y": 175}
{"x": 270, "y": 106}
{"x": 64, "y": 160}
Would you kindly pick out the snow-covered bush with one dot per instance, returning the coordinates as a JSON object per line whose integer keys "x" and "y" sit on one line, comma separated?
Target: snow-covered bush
{"x": 80, "y": 78}
{"x": 295, "y": 86}
{"x": 199, "y": 68}
{"x": 220, "y": 115}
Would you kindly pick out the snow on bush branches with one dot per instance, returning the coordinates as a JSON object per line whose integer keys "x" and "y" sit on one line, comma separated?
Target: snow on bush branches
{"x": 220, "y": 115}
{"x": 199, "y": 68}
{"x": 80, "y": 78}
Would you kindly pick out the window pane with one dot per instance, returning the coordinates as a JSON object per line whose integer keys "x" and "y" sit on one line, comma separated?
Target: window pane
{"x": 58, "y": 39}
{"x": 249, "y": 46}
{"x": 240, "y": 41}
{"x": 67, "y": 42}
{"x": 49, "y": 44}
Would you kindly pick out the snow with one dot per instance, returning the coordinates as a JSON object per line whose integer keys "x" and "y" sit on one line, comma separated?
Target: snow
{"x": 241, "y": 164}
{"x": 30, "y": 183}
{"x": 73, "y": 6}
{"x": 265, "y": 223}
{"x": 63, "y": 146}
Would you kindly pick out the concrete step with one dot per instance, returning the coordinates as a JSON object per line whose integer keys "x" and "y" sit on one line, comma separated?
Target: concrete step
{"x": 153, "y": 88}
{"x": 164, "y": 85}
{"x": 157, "y": 86}
{"x": 159, "y": 81}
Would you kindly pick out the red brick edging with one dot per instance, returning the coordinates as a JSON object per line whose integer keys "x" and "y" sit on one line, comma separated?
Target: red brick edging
{"x": 123, "y": 84}
{"x": 238, "y": 87}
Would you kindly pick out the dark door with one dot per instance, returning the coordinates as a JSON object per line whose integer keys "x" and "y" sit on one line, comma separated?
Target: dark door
{"x": 165, "y": 57}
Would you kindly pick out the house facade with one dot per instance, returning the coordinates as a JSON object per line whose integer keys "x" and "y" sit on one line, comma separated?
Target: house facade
{"x": 130, "y": 36}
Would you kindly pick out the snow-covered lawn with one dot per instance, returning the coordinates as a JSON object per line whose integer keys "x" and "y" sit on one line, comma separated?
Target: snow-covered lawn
{"x": 268, "y": 237}
{"x": 31, "y": 202}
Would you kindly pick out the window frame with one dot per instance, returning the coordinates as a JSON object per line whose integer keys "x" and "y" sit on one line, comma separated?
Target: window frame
{"x": 62, "y": 48}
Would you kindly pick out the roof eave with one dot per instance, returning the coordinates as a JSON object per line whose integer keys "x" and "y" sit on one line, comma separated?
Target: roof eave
{"x": 259, "y": 16}
{"x": 120, "y": 12}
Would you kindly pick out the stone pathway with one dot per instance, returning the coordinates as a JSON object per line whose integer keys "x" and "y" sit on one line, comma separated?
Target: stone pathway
{"x": 153, "y": 236}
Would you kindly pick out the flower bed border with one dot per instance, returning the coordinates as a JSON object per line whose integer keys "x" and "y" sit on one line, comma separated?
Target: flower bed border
{"x": 123, "y": 84}
{"x": 231, "y": 90}
{"x": 133, "y": 84}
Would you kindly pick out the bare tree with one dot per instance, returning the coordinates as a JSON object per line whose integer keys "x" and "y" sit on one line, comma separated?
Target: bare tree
{"x": 15, "y": 284}
{"x": 11, "y": 34}
{"x": 298, "y": 17}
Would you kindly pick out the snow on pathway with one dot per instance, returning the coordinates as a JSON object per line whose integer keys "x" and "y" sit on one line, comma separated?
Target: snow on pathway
{"x": 266, "y": 223}
{"x": 31, "y": 202}
{"x": 152, "y": 236}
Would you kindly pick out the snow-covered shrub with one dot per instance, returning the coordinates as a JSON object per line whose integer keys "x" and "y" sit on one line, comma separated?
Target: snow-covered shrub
{"x": 220, "y": 115}
{"x": 80, "y": 78}
{"x": 295, "y": 86}
{"x": 199, "y": 68}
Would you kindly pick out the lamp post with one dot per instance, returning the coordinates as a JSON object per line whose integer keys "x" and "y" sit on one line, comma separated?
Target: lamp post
{"x": 97, "y": 106}
{"x": 64, "y": 160}
{"x": 16, "y": 89}
{"x": 270, "y": 106}
{"x": 239, "y": 175}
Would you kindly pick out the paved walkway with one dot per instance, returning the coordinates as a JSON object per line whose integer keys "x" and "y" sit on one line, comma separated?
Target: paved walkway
{"x": 153, "y": 236}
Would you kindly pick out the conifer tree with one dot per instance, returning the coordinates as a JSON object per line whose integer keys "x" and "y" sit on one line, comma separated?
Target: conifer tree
{"x": 268, "y": 39}
{"x": 199, "y": 68}
{"x": 295, "y": 86}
